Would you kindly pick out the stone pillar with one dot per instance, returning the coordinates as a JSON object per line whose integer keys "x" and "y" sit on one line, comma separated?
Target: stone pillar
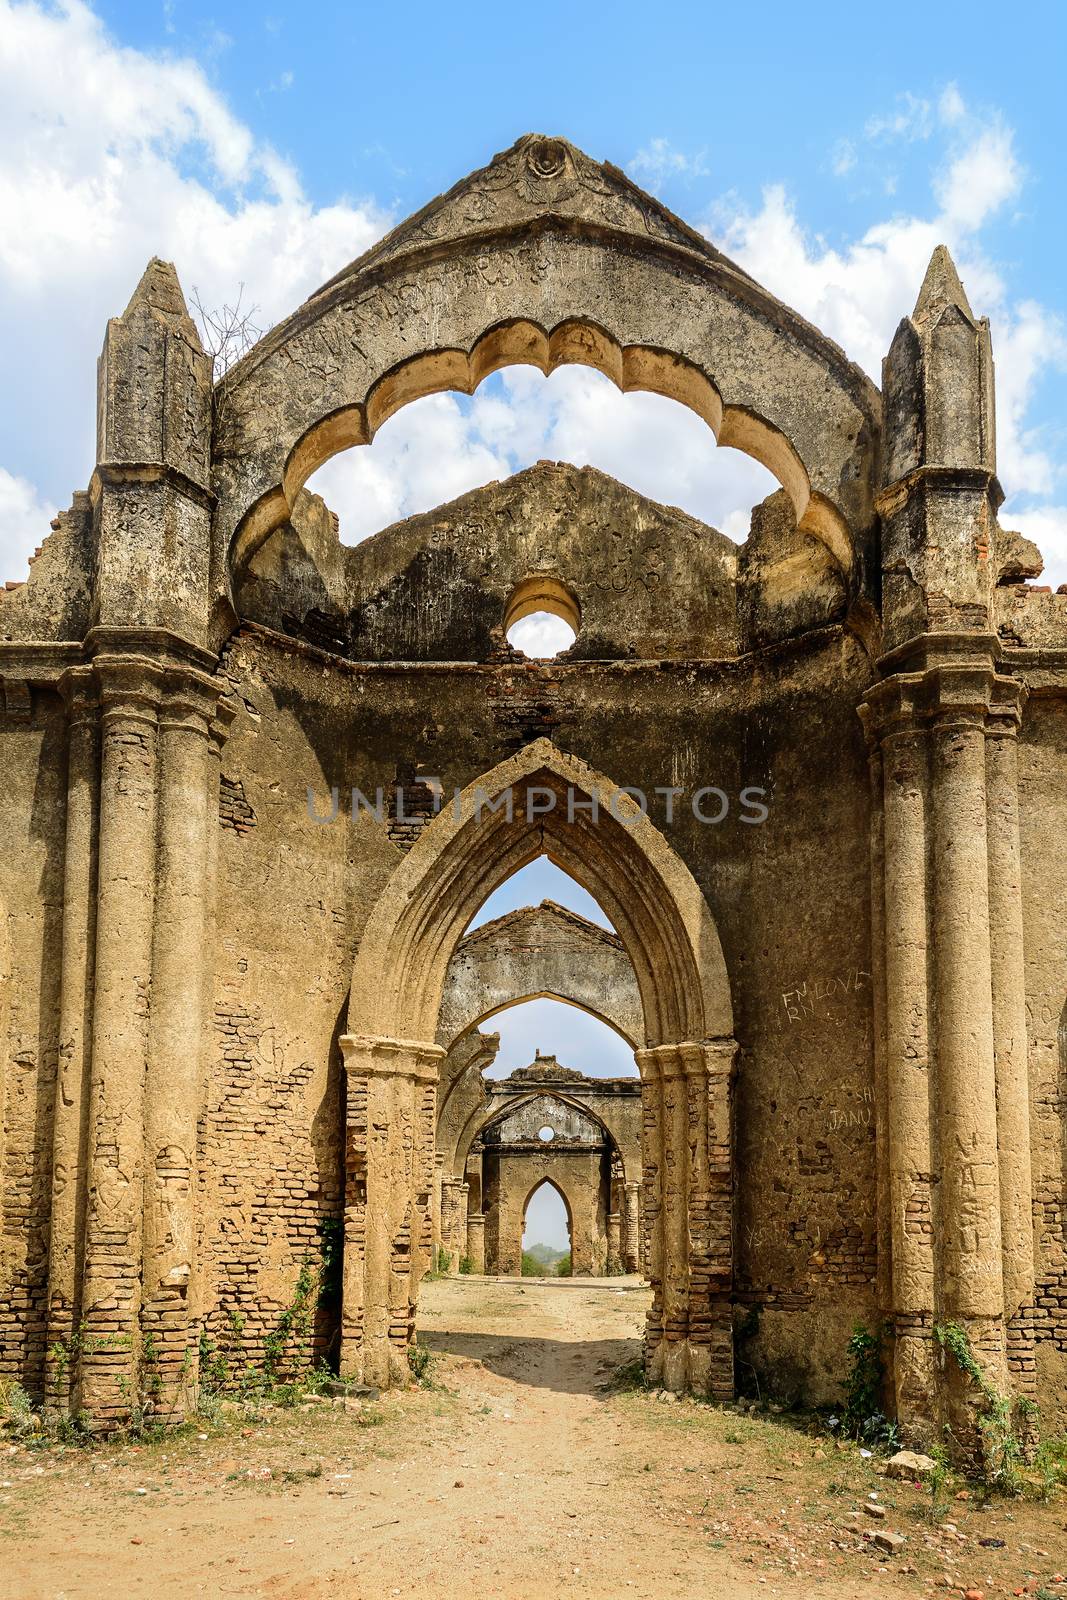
{"x": 438, "y": 1177}
{"x": 689, "y": 1204}
{"x": 188, "y": 818}
{"x": 476, "y": 1241}
{"x": 491, "y": 1211}
{"x": 614, "y": 1261}
{"x": 66, "y": 1248}
{"x": 454, "y": 1192}
{"x": 1010, "y": 1042}
{"x": 631, "y": 1228}
{"x": 951, "y": 867}
{"x": 110, "y": 1356}
{"x": 390, "y": 1119}
{"x": 201, "y": 1292}
{"x": 908, "y": 1165}
{"x": 970, "y": 1285}
{"x": 152, "y": 485}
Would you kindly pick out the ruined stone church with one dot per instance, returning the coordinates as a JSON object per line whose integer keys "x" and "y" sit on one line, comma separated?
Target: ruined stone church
{"x": 228, "y": 1023}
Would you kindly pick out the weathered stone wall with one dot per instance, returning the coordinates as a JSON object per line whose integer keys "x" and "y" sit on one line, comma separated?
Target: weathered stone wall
{"x": 805, "y": 1242}
{"x": 540, "y": 950}
{"x": 271, "y": 1137}
{"x": 516, "y": 1162}
{"x": 33, "y": 760}
{"x": 579, "y": 1177}
{"x": 1043, "y": 820}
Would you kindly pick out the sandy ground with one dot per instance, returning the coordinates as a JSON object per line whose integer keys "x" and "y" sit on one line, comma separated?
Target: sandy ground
{"x": 519, "y": 1473}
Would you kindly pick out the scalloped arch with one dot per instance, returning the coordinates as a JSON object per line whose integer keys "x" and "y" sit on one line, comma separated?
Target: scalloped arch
{"x": 660, "y": 313}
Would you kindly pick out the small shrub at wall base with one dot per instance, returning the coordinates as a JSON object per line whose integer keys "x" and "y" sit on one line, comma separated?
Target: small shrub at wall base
{"x": 466, "y": 1265}
{"x": 287, "y": 1371}
{"x": 420, "y": 1360}
{"x": 864, "y": 1384}
{"x": 440, "y": 1265}
{"x": 1000, "y": 1446}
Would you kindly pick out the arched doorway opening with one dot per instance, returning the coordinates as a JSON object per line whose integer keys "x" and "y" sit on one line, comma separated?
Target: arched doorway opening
{"x": 686, "y": 1061}
{"x": 547, "y": 1232}
{"x": 539, "y": 992}
{"x": 543, "y": 1126}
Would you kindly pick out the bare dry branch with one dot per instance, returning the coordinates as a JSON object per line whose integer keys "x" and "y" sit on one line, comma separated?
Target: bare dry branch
{"x": 228, "y": 332}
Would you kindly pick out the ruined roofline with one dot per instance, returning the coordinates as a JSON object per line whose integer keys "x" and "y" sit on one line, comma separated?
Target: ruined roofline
{"x": 560, "y": 469}
{"x": 413, "y": 238}
{"x": 418, "y": 219}
{"x": 561, "y": 1087}
{"x": 557, "y": 912}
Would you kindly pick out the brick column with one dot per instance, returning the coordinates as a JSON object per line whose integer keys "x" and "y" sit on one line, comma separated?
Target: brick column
{"x": 689, "y": 1205}
{"x": 1010, "y": 1042}
{"x": 906, "y": 1145}
{"x": 454, "y": 1193}
{"x": 438, "y": 1176}
{"x": 188, "y": 819}
{"x": 631, "y": 1228}
{"x": 614, "y": 1240}
{"x": 66, "y": 1247}
{"x": 391, "y": 1101}
{"x": 476, "y": 1241}
{"x": 968, "y": 1244}
{"x": 110, "y": 1355}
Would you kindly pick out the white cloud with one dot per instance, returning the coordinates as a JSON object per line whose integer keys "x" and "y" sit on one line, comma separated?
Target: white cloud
{"x": 659, "y": 160}
{"x": 951, "y": 108}
{"x": 541, "y": 635}
{"x": 24, "y": 522}
{"x": 858, "y": 292}
{"x": 983, "y": 175}
{"x": 110, "y": 156}
{"x": 912, "y": 118}
{"x": 843, "y": 157}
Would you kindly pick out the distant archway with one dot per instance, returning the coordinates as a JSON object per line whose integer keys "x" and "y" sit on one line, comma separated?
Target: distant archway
{"x": 554, "y": 1187}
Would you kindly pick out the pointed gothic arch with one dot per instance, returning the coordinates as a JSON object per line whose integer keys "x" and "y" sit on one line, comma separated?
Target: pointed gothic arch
{"x": 559, "y": 1188}
{"x": 541, "y": 801}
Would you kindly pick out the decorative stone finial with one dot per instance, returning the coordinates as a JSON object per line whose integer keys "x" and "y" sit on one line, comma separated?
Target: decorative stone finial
{"x": 941, "y": 288}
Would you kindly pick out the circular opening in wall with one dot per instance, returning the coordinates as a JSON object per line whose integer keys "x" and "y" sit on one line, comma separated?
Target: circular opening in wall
{"x": 542, "y": 617}
{"x": 546, "y": 1134}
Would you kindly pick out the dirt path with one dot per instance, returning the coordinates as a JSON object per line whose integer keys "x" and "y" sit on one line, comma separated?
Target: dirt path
{"x": 520, "y": 1473}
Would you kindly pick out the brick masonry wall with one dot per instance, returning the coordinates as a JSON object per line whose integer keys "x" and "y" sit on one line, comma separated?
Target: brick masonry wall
{"x": 274, "y": 1199}
{"x": 32, "y": 756}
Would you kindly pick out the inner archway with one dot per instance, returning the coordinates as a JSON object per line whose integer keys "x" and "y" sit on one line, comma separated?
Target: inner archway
{"x": 546, "y": 1233}
{"x": 686, "y": 1062}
